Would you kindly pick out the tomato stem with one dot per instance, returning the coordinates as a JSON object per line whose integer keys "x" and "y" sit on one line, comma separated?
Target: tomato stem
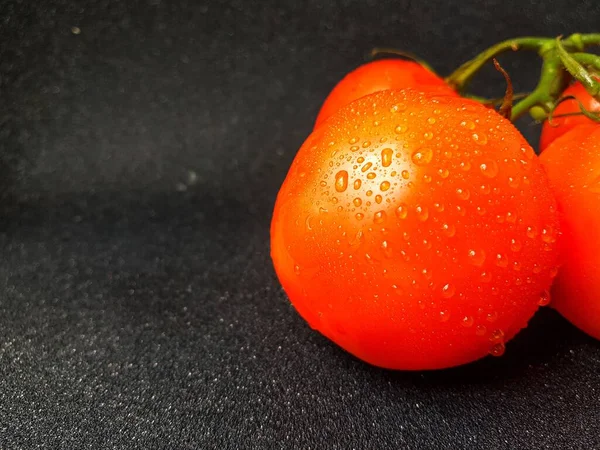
{"x": 562, "y": 60}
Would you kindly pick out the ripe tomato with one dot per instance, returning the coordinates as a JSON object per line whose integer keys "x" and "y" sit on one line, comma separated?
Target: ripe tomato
{"x": 573, "y": 166}
{"x": 416, "y": 231}
{"x": 378, "y": 76}
{"x": 560, "y": 125}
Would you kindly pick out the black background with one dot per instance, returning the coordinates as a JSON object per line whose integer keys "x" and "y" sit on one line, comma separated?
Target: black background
{"x": 140, "y": 161}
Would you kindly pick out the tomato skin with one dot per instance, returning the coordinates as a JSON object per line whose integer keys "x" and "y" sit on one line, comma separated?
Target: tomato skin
{"x": 377, "y": 76}
{"x": 573, "y": 166}
{"x": 561, "y": 125}
{"x": 406, "y": 275}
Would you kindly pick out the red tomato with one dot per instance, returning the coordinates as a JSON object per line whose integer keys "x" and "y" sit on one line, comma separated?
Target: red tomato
{"x": 560, "y": 125}
{"x": 416, "y": 231}
{"x": 378, "y": 76}
{"x": 573, "y": 166}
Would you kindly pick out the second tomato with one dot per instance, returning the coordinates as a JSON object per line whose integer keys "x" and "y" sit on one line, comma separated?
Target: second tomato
{"x": 378, "y": 76}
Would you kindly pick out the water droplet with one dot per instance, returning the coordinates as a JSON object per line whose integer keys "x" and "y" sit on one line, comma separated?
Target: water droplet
{"x": 354, "y": 148}
{"x": 449, "y": 229}
{"x": 378, "y": 198}
{"x": 405, "y": 174}
{"x": 402, "y": 211}
{"x": 427, "y": 274}
{"x": 443, "y": 172}
{"x": 553, "y": 272}
{"x": 480, "y": 138}
{"x": 376, "y": 123}
{"x": 297, "y": 269}
{"x": 497, "y": 336}
{"x": 513, "y": 182}
{"x": 323, "y": 183}
{"x": 486, "y": 277}
{"x": 308, "y": 223}
{"x": 422, "y": 157}
{"x": 489, "y": 168}
{"x": 427, "y": 178}
{"x": 431, "y": 120}
{"x": 369, "y": 193}
{"x": 476, "y": 257}
{"x": 463, "y": 194}
{"x": 428, "y": 135}
{"x": 422, "y": 213}
{"x": 379, "y": 217}
{"x": 448, "y": 291}
{"x": 357, "y": 202}
{"x": 498, "y": 349}
{"x": 444, "y": 316}
{"x": 366, "y": 144}
{"x": 468, "y": 124}
{"x": 480, "y": 330}
{"x": 439, "y": 207}
{"x": 547, "y": 235}
{"x": 492, "y": 317}
{"x": 357, "y": 184}
{"x": 501, "y": 260}
{"x": 360, "y": 159}
{"x": 465, "y": 166}
{"x": 401, "y": 129}
{"x": 511, "y": 218}
{"x": 467, "y": 321}
{"x": 359, "y": 216}
{"x": 485, "y": 189}
{"x": 371, "y": 175}
{"x": 384, "y": 186}
{"x": 366, "y": 167}
{"x": 387, "y": 251}
{"x": 386, "y": 157}
{"x": 353, "y": 141}
{"x": 544, "y": 299}
{"x": 517, "y": 266}
{"x": 515, "y": 245}
{"x": 341, "y": 181}
{"x": 323, "y": 210}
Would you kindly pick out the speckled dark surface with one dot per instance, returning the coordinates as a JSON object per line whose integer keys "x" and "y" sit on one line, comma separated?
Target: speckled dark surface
{"x": 141, "y": 154}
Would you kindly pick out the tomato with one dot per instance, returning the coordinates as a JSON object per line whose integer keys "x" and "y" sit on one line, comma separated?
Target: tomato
{"x": 378, "y": 76}
{"x": 573, "y": 166}
{"x": 415, "y": 230}
{"x": 560, "y": 125}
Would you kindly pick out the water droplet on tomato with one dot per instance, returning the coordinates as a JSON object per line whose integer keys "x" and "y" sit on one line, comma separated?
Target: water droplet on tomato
{"x": 378, "y": 199}
{"x": 354, "y": 148}
{"x": 443, "y": 172}
{"x": 384, "y": 186}
{"x": 449, "y": 229}
{"x": 401, "y": 129}
{"x": 422, "y": 213}
{"x": 476, "y": 257}
{"x": 357, "y": 184}
{"x": 422, "y": 157}
{"x": 405, "y": 174}
{"x": 371, "y": 175}
{"x": 544, "y": 299}
{"x": 497, "y": 336}
{"x": 341, "y": 181}
{"x": 366, "y": 167}
{"x": 480, "y": 330}
{"x": 428, "y": 135}
{"x": 513, "y": 182}
{"x": 515, "y": 245}
{"x": 463, "y": 194}
{"x": 480, "y": 138}
{"x": 297, "y": 269}
{"x": 448, "y": 291}
{"x": 379, "y": 217}
{"x": 444, "y": 316}
{"x": 308, "y": 223}
{"x": 465, "y": 166}
{"x": 387, "y": 251}
{"x": 360, "y": 159}
{"x": 359, "y": 216}
{"x": 492, "y": 317}
{"x": 486, "y": 277}
{"x": 366, "y": 144}
{"x": 427, "y": 178}
{"x": 369, "y": 193}
{"x": 402, "y": 211}
{"x": 467, "y": 321}
{"x": 501, "y": 260}
{"x": 498, "y": 349}
{"x": 553, "y": 272}
{"x": 547, "y": 235}
{"x": 468, "y": 124}
{"x": 431, "y": 120}
{"x": 357, "y": 202}
{"x": 517, "y": 265}
{"x": 386, "y": 157}
{"x": 489, "y": 168}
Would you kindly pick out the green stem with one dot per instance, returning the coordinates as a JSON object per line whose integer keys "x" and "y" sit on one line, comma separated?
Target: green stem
{"x": 461, "y": 76}
{"x": 588, "y": 60}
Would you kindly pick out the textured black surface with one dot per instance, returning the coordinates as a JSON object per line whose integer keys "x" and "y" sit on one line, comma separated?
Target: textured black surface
{"x": 142, "y": 152}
